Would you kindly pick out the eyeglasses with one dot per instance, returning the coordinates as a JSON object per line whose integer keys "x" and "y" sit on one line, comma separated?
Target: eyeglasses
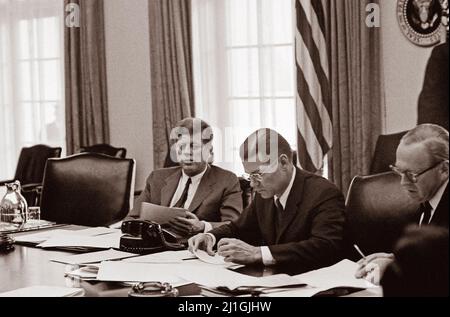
{"x": 257, "y": 176}
{"x": 412, "y": 177}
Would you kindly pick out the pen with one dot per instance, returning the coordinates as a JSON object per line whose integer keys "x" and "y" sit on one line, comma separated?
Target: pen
{"x": 359, "y": 251}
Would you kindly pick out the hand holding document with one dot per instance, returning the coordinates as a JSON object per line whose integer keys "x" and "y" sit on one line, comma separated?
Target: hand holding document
{"x": 160, "y": 214}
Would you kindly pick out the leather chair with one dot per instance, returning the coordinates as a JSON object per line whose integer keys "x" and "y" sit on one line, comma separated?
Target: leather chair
{"x": 30, "y": 169}
{"x": 105, "y": 149}
{"x": 247, "y": 192}
{"x": 378, "y": 209}
{"x": 385, "y": 152}
{"x": 87, "y": 189}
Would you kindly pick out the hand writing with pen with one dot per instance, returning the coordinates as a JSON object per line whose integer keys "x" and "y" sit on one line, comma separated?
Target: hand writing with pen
{"x": 372, "y": 267}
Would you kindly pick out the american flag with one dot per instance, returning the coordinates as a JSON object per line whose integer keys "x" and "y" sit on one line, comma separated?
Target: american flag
{"x": 314, "y": 125}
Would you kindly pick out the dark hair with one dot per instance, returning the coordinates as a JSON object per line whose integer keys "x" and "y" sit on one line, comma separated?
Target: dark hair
{"x": 268, "y": 139}
{"x": 193, "y": 125}
{"x": 420, "y": 267}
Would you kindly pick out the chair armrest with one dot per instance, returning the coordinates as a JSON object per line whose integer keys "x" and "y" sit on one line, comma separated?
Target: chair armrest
{"x": 31, "y": 187}
{"x": 4, "y": 182}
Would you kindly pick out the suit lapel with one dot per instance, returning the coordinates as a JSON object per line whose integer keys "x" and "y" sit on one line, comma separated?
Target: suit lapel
{"x": 294, "y": 200}
{"x": 440, "y": 216}
{"x": 168, "y": 190}
{"x": 203, "y": 190}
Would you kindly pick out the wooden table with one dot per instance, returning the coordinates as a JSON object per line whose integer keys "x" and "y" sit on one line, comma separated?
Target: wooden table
{"x": 29, "y": 266}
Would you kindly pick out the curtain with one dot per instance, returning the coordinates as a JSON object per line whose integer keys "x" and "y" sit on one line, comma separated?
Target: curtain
{"x": 171, "y": 70}
{"x": 85, "y": 78}
{"x": 31, "y": 78}
{"x": 243, "y": 71}
{"x": 356, "y": 90}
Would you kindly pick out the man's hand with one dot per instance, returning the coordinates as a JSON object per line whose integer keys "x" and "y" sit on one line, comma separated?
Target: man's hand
{"x": 201, "y": 241}
{"x": 189, "y": 225}
{"x": 239, "y": 252}
{"x": 373, "y": 266}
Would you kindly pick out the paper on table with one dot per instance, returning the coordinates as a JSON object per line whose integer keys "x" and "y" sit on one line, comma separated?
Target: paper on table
{"x": 105, "y": 241}
{"x": 205, "y": 257}
{"x": 163, "y": 257}
{"x": 86, "y": 272}
{"x": 215, "y": 276}
{"x": 93, "y": 257}
{"x": 121, "y": 271}
{"x": 160, "y": 214}
{"x": 46, "y": 235}
{"x": 340, "y": 275}
{"x": 44, "y": 291}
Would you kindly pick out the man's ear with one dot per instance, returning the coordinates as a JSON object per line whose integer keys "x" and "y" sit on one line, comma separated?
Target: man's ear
{"x": 444, "y": 168}
{"x": 283, "y": 160}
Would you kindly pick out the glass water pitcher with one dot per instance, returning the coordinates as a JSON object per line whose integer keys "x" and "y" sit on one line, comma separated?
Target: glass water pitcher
{"x": 13, "y": 206}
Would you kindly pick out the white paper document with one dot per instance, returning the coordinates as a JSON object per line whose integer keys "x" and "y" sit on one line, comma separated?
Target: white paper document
{"x": 44, "y": 291}
{"x": 160, "y": 214}
{"x": 163, "y": 257}
{"x": 105, "y": 241}
{"x": 40, "y": 237}
{"x": 205, "y": 257}
{"x": 88, "y": 272}
{"x": 340, "y": 275}
{"x": 215, "y": 276}
{"x": 93, "y": 257}
{"x": 121, "y": 271}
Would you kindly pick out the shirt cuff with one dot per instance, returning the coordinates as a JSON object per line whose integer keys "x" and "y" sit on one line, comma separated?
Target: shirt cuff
{"x": 267, "y": 257}
{"x": 208, "y": 226}
{"x": 213, "y": 238}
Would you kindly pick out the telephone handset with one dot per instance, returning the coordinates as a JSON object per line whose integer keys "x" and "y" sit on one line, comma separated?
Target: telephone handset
{"x": 144, "y": 237}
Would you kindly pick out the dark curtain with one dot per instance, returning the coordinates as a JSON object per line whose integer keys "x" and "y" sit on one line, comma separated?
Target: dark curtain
{"x": 171, "y": 70}
{"x": 85, "y": 78}
{"x": 356, "y": 89}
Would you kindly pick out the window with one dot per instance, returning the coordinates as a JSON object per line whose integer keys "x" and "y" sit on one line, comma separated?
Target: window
{"x": 244, "y": 71}
{"x": 31, "y": 77}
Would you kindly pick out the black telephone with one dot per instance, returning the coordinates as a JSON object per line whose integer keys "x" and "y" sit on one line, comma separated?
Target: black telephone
{"x": 145, "y": 237}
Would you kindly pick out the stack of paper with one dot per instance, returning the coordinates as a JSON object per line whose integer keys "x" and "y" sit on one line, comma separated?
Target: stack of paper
{"x": 163, "y": 257}
{"x": 340, "y": 275}
{"x": 93, "y": 257}
{"x": 44, "y": 291}
{"x": 78, "y": 240}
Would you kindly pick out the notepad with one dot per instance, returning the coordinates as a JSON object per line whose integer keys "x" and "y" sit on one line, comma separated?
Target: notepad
{"x": 44, "y": 291}
{"x": 160, "y": 214}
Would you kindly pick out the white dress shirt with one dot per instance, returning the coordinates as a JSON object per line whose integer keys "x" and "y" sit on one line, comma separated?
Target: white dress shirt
{"x": 195, "y": 182}
{"x": 434, "y": 201}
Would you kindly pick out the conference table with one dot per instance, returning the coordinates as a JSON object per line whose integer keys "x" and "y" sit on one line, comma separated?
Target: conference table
{"x": 30, "y": 266}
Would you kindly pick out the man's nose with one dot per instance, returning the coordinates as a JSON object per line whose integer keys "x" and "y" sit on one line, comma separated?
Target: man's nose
{"x": 404, "y": 180}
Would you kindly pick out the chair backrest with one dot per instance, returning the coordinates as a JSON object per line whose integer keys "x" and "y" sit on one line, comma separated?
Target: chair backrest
{"x": 378, "y": 209}
{"x": 31, "y": 163}
{"x": 87, "y": 189}
{"x": 105, "y": 149}
{"x": 385, "y": 152}
{"x": 247, "y": 192}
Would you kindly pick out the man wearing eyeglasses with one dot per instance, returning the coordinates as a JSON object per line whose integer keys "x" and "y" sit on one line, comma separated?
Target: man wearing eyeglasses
{"x": 210, "y": 194}
{"x": 422, "y": 163}
{"x": 295, "y": 220}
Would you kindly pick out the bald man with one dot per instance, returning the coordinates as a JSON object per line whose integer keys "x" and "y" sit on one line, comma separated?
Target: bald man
{"x": 295, "y": 220}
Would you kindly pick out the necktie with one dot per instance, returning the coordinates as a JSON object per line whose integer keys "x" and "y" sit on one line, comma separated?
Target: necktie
{"x": 184, "y": 195}
{"x": 426, "y": 208}
{"x": 279, "y": 206}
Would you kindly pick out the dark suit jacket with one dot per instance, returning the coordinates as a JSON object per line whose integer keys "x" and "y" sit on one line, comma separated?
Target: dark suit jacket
{"x": 218, "y": 197}
{"x": 312, "y": 232}
{"x": 433, "y": 100}
{"x": 440, "y": 217}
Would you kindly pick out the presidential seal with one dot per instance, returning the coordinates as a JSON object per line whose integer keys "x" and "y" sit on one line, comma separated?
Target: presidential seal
{"x": 420, "y": 20}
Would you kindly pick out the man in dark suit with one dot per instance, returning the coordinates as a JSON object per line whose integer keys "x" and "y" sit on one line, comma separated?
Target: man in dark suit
{"x": 420, "y": 267}
{"x": 295, "y": 220}
{"x": 422, "y": 162}
{"x": 433, "y": 100}
{"x": 211, "y": 194}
